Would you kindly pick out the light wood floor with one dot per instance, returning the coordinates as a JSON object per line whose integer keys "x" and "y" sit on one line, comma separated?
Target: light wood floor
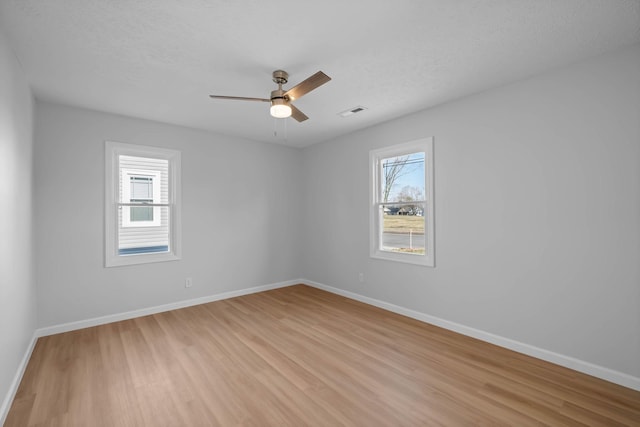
{"x": 299, "y": 356}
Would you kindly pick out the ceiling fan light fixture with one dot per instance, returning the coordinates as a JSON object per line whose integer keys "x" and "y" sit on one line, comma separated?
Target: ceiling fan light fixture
{"x": 280, "y": 108}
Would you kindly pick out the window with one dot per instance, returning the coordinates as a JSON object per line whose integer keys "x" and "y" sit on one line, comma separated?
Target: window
{"x": 402, "y": 222}
{"x": 142, "y": 204}
{"x": 141, "y": 187}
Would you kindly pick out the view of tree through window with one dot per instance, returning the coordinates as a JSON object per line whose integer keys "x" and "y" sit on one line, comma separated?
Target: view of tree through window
{"x": 403, "y": 203}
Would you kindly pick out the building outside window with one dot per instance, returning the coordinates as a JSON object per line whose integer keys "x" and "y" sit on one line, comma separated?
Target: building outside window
{"x": 141, "y": 187}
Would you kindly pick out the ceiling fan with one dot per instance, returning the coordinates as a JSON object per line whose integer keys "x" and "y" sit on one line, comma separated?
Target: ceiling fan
{"x": 280, "y": 99}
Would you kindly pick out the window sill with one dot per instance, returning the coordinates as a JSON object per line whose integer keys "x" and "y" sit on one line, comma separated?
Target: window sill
{"x": 421, "y": 260}
{"x": 134, "y": 259}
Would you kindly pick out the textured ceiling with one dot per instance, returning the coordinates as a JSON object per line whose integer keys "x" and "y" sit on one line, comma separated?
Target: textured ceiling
{"x": 160, "y": 59}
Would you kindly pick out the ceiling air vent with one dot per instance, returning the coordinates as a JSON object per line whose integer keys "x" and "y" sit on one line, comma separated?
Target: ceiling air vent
{"x": 352, "y": 111}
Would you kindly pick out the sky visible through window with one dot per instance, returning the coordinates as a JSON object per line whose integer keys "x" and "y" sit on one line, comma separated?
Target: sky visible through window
{"x": 409, "y": 178}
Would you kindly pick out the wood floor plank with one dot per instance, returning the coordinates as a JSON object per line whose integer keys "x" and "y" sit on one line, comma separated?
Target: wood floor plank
{"x": 299, "y": 356}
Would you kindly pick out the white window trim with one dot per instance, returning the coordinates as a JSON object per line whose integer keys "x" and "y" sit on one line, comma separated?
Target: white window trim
{"x": 375, "y": 230}
{"x": 112, "y": 168}
{"x": 126, "y": 196}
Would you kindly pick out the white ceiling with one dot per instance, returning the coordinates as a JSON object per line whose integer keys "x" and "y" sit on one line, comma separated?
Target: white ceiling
{"x": 160, "y": 59}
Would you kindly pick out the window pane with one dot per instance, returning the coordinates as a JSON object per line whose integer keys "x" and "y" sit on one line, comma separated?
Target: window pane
{"x": 142, "y": 213}
{"x": 142, "y": 188}
{"x": 402, "y": 178}
{"x": 144, "y": 239}
{"x": 403, "y": 228}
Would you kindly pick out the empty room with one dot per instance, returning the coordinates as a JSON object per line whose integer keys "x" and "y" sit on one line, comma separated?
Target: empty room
{"x": 295, "y": 213}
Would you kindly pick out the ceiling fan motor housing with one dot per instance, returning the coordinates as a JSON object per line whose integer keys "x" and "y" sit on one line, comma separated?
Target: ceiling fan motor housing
{"x": 280, "y": 77}
{"x": 278, "y": 94}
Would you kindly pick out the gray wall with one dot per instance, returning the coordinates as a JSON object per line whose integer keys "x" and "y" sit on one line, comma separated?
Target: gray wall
{"x": 537, "y": 194}
{"x": 17, "y": 286}
{"x": 240, "y": 222}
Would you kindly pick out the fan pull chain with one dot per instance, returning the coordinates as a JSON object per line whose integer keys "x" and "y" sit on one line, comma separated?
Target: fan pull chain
{"x": 284, "y": 128}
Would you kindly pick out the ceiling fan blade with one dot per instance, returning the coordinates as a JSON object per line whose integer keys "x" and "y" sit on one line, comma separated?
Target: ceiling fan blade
{"x": 239, "y": 98}
{"x": 297, "y": 114}
{"x": 306, "y": 86}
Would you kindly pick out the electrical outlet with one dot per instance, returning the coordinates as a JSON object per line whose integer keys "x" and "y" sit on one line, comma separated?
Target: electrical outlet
{"x": 188, "y": 282}
{"x": 361, "y": 277}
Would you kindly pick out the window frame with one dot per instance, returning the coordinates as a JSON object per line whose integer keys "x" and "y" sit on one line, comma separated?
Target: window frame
{"x": 113, "y": 150}
{"x": 376, "y": 225}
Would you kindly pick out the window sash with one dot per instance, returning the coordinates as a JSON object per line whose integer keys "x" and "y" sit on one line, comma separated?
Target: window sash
{"x": 143, "y": 204}
{"x": 412, "y": 202}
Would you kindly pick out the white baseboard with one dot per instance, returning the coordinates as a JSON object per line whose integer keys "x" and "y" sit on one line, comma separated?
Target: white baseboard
{"x": 539, "y": 353}
{"x": 72, "y": 326}
{"x": 13, "y": 388}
